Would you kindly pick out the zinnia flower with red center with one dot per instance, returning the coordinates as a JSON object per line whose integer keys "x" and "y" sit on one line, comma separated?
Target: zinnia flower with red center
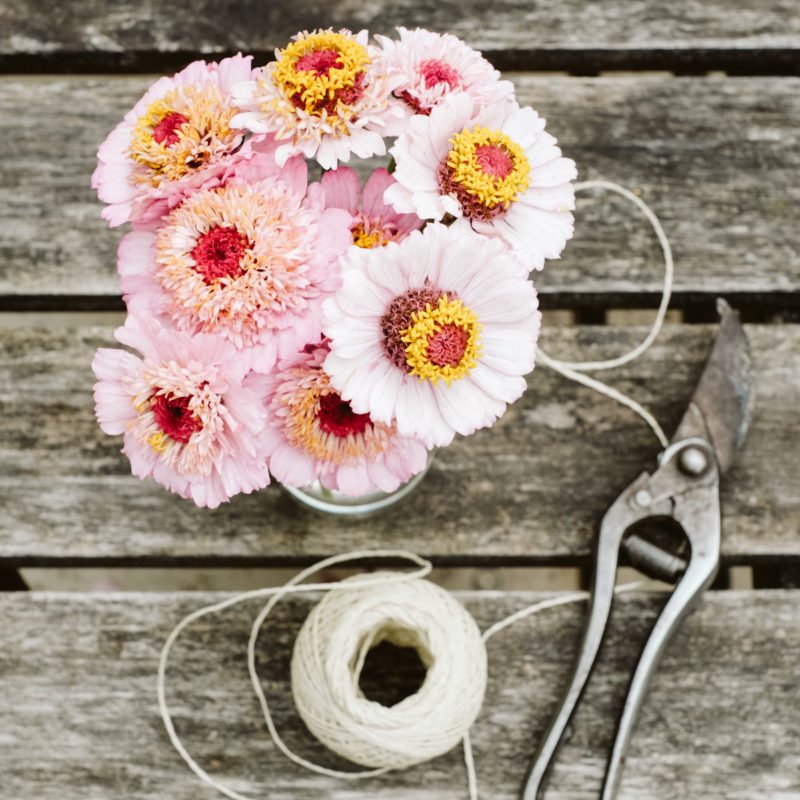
{"x": 502, "y": 175}
{"x": 313, "y": 434}
{"x": 177, "y": 138}
{"x": 187, "y": 418}
{"x": 428, "y": 67}
{"x": 250, "y": 261}
{"x": 323, "y": 97}
{"x": 374, "y": 223}
{"x": 434, "y": 334}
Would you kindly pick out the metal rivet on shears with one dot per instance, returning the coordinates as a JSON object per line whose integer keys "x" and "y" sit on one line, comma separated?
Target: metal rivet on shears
{"x": 693, "y": 461}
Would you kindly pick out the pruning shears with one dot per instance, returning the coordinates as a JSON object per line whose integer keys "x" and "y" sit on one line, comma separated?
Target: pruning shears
{"x": 684, "y": 489}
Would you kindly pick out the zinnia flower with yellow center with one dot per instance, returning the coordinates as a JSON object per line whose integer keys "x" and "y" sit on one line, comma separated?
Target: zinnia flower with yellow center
{"x": 176, "y": 139}
{"x": 497, "y": 173}
{"x": 322, "y": 97}
{"x": 433, "y": 334}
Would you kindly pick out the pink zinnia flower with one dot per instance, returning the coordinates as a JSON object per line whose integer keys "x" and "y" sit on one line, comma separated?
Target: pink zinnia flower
{"x": 188, "y": 421}
{"x": 500, "y": 174}
{"x": 433, "y": 334}
{"x": 374, "y": 223}
{"x": 250, "y": 261}
{"x": 322, "y": 97}
{"x": 312, "y": 434}
{"x": 175, "y": 139}
{"x": 428, "y": 67}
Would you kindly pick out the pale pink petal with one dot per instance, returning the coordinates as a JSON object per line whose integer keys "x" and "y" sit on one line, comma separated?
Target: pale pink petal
{"x": 342, "y": 188}
{"x": 372, "y": 200}
{"x": 381, "y": 476}
{"x": 354, "y": 480}
{"x": 400, "y": 198}
{"x": 291, "y": 467}
{"x": 234, "y": 70}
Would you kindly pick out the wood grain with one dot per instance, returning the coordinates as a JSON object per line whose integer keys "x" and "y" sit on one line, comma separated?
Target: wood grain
{"x": 716, "y": 158}
{"x": 721, "y": 721}
{"x": 86, "y": 34}
{"x": 531, "y": 489}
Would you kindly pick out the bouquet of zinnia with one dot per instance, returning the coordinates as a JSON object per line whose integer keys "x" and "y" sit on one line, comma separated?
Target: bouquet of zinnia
{"x": 321, "y": 330}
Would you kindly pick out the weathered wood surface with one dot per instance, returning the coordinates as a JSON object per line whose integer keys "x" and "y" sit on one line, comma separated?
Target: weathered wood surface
{"x": 80, "y": 720}
{"x": 716, "y": 158}
{"x": 719, "y": 34}
{"x": 531, "y": 489}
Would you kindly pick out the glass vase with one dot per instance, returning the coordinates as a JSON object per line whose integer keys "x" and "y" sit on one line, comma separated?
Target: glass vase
{"x": 335, "y": 503}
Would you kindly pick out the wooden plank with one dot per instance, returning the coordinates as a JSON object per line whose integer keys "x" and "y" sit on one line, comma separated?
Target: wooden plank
{"x": 716, "y": 158}
{"x": 721, "y": 720}
{"x": 531, "y": 489}
{"x": 88, "y": 35}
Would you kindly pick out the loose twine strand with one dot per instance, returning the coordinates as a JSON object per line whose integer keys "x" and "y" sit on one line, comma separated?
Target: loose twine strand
{"x": 569, "y": 369}
{"x": 294, "y": 586}
{"x": 574, "y": 369}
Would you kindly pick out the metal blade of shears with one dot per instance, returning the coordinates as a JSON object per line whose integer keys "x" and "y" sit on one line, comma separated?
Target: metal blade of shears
{"x": 722, "y": 403}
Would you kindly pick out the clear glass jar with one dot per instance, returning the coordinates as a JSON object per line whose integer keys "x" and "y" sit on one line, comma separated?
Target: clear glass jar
{"x": 329, "y": 501}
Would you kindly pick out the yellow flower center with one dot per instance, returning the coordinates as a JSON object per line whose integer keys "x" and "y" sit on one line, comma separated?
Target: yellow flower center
{"x": 321, "y": 70}
{"x": 300, "y": 424}
{"x": 183, "y": 131}
{"x": 363, "y": 237}
{"x": 489, "y": 166}
{"x": 442, "y": 342}
{"x": 158, "y": 441}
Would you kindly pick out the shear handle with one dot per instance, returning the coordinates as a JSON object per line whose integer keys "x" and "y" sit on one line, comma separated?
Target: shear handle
{"x": 697, "y": 512}
{"x": 619, "y": 517}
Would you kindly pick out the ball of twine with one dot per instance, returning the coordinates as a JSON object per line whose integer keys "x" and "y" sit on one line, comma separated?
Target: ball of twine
{"x": 396, "y": 606}
{"x": 329, "y": 655}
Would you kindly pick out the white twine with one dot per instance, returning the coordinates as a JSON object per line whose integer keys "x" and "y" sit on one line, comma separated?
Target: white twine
{"x": 403, "y": 608}
{"x": 355, "y": 615}
{"x": 329, "y": 654}
{"x": 275, "y": 593}
{"x": 574, "y": 369}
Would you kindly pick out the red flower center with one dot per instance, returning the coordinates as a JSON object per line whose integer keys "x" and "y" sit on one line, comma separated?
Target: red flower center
{"x": 336, "y": 417}
{"x": 446, "y": 347}
{"x": 399, "y": 316}
{"x": 471, "y": 206}
{"x": 174, "y": 417}
{"x": 435, "y": 71}
{"x": 166, "y": 132}
{"x": 494, "y": 160}
{"x": 348, "y": 95}
{"x": 218, "y": 253}
{"x": 319, "y": 61}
